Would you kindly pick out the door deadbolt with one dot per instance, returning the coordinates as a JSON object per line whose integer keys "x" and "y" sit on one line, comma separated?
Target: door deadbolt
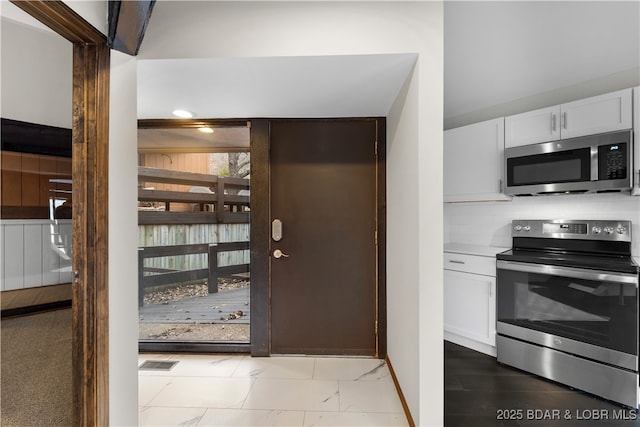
{"x": 276, "y": 230}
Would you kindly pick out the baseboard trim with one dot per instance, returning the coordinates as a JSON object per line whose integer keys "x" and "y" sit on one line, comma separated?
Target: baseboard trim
{"x": 34, "y": 309}
{"x": 405, "y": 406}
{"x": 471, "y": 344}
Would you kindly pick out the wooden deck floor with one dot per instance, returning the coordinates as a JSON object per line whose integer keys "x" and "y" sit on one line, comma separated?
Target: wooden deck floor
{"x": 214, "y": 308}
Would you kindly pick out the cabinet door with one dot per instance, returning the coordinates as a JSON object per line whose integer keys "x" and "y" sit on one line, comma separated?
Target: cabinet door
{"x": 636, "y": 141}
{"x": 604, "y": 113}
{"x": 470, "y": 306}
{"x": 532, "y": 127}
{"x": 473, "y": 157}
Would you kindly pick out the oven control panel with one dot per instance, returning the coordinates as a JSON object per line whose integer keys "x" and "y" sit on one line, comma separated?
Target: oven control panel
{"x": 573, "y": 229}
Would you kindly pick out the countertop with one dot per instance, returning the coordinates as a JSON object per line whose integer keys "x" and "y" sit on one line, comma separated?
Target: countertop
{"x": 480, "y": 250}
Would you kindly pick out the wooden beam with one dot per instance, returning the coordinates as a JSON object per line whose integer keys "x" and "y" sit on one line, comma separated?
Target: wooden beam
{"x": 128, "y": 22}
{"x": 173, "y": 218}
{"x": 165, "y": 176}
{"x": 190, "y": 123}
{"x": 35, "y": 138}
{"x": 176, "y": 196}
{"x": 91, "y": 65}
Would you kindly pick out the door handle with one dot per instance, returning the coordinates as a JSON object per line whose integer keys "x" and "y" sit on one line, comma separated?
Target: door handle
{"x": 277, "y": 254}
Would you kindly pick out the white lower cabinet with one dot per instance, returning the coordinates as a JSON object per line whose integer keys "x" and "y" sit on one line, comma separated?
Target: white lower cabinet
{"x": 469, "y": 302}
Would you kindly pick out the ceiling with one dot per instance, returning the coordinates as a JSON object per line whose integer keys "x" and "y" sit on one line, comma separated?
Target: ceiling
{"x": 171, "y": 140}
{"x": 495, "y": 52}
{"x": 292, "y": 87}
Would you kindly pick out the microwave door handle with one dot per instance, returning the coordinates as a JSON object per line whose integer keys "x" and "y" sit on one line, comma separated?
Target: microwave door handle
{"x": 594, "y": 163}
{"x": 574, "y": 273}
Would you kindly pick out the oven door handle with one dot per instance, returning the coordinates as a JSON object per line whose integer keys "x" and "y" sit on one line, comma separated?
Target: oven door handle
{"x": 575, "y": 273}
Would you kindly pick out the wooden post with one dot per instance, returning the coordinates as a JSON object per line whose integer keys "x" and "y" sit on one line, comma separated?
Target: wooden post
{"x": 140, "y": 277}
{"x": 220, "y": 201}
{"x": 213, "y": 268}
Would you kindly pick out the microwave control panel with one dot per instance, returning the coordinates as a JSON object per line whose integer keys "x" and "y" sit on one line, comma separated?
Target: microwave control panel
{"x": 612, "y": 161}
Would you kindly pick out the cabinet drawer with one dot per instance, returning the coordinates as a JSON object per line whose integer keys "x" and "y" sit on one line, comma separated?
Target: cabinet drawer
{"x": 470, "y": 263}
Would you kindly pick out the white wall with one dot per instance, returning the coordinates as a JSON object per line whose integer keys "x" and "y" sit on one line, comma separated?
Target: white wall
{"x": 430, "y": 197}
{"x": 36, "y": 74}
{"x": 489, "y": 223}
{"x": 403, "y": 254}
{"x": 95, "y": 12}
{"x": 414, "y": 170}
{"x": 123, "y": 243}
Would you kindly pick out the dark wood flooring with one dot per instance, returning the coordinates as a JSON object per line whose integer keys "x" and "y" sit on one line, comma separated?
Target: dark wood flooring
{"x": 480, "y": 392}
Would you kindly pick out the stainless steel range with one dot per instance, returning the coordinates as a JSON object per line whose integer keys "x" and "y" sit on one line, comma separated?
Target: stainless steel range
{"x": 567, "y": 305}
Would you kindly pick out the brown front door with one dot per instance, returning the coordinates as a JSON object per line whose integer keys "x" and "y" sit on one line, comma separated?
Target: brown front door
{"x": 323, "y": 190}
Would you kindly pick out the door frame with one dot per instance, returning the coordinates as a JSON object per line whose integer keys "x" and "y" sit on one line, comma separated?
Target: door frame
{"x": 90, "y": 165}
{"x": 261, "y": 234}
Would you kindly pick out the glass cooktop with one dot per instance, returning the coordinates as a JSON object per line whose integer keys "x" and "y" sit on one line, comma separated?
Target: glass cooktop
{"x": 614, "y": 263}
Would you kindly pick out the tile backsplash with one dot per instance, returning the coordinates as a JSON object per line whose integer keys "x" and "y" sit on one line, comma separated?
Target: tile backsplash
{"x": 488, "y": 223}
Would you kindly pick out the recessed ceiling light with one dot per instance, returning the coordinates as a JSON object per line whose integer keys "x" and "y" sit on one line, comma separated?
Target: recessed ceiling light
{"x": 205, "y": 129}
{"x": 183, "y": 114}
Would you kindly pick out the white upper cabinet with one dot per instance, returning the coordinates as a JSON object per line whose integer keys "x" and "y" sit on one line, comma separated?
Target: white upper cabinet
{"x": 636, "y": 141}
{"x": 598, "y": 114}
{"x": 533, "y": 126}
{"x": 473, "y": 161}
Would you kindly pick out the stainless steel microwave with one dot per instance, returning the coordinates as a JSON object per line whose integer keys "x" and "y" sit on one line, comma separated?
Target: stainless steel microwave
{"x": 587, "y": 164}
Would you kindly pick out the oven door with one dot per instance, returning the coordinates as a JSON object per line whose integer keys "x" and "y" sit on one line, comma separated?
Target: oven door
{"x": 589, "y": 313}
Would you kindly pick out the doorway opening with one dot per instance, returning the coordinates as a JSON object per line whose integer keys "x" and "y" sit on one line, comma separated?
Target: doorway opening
{"x": 35, "y": 223}
{"x": 194, "y": 236}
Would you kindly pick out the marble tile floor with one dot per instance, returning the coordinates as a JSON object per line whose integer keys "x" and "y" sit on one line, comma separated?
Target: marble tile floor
{"x": 238, "y": 390}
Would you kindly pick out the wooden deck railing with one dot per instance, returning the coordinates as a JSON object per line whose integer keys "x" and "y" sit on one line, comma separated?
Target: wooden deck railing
{"x": 222, "y": 205}
{"x": 167, "y": 276}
